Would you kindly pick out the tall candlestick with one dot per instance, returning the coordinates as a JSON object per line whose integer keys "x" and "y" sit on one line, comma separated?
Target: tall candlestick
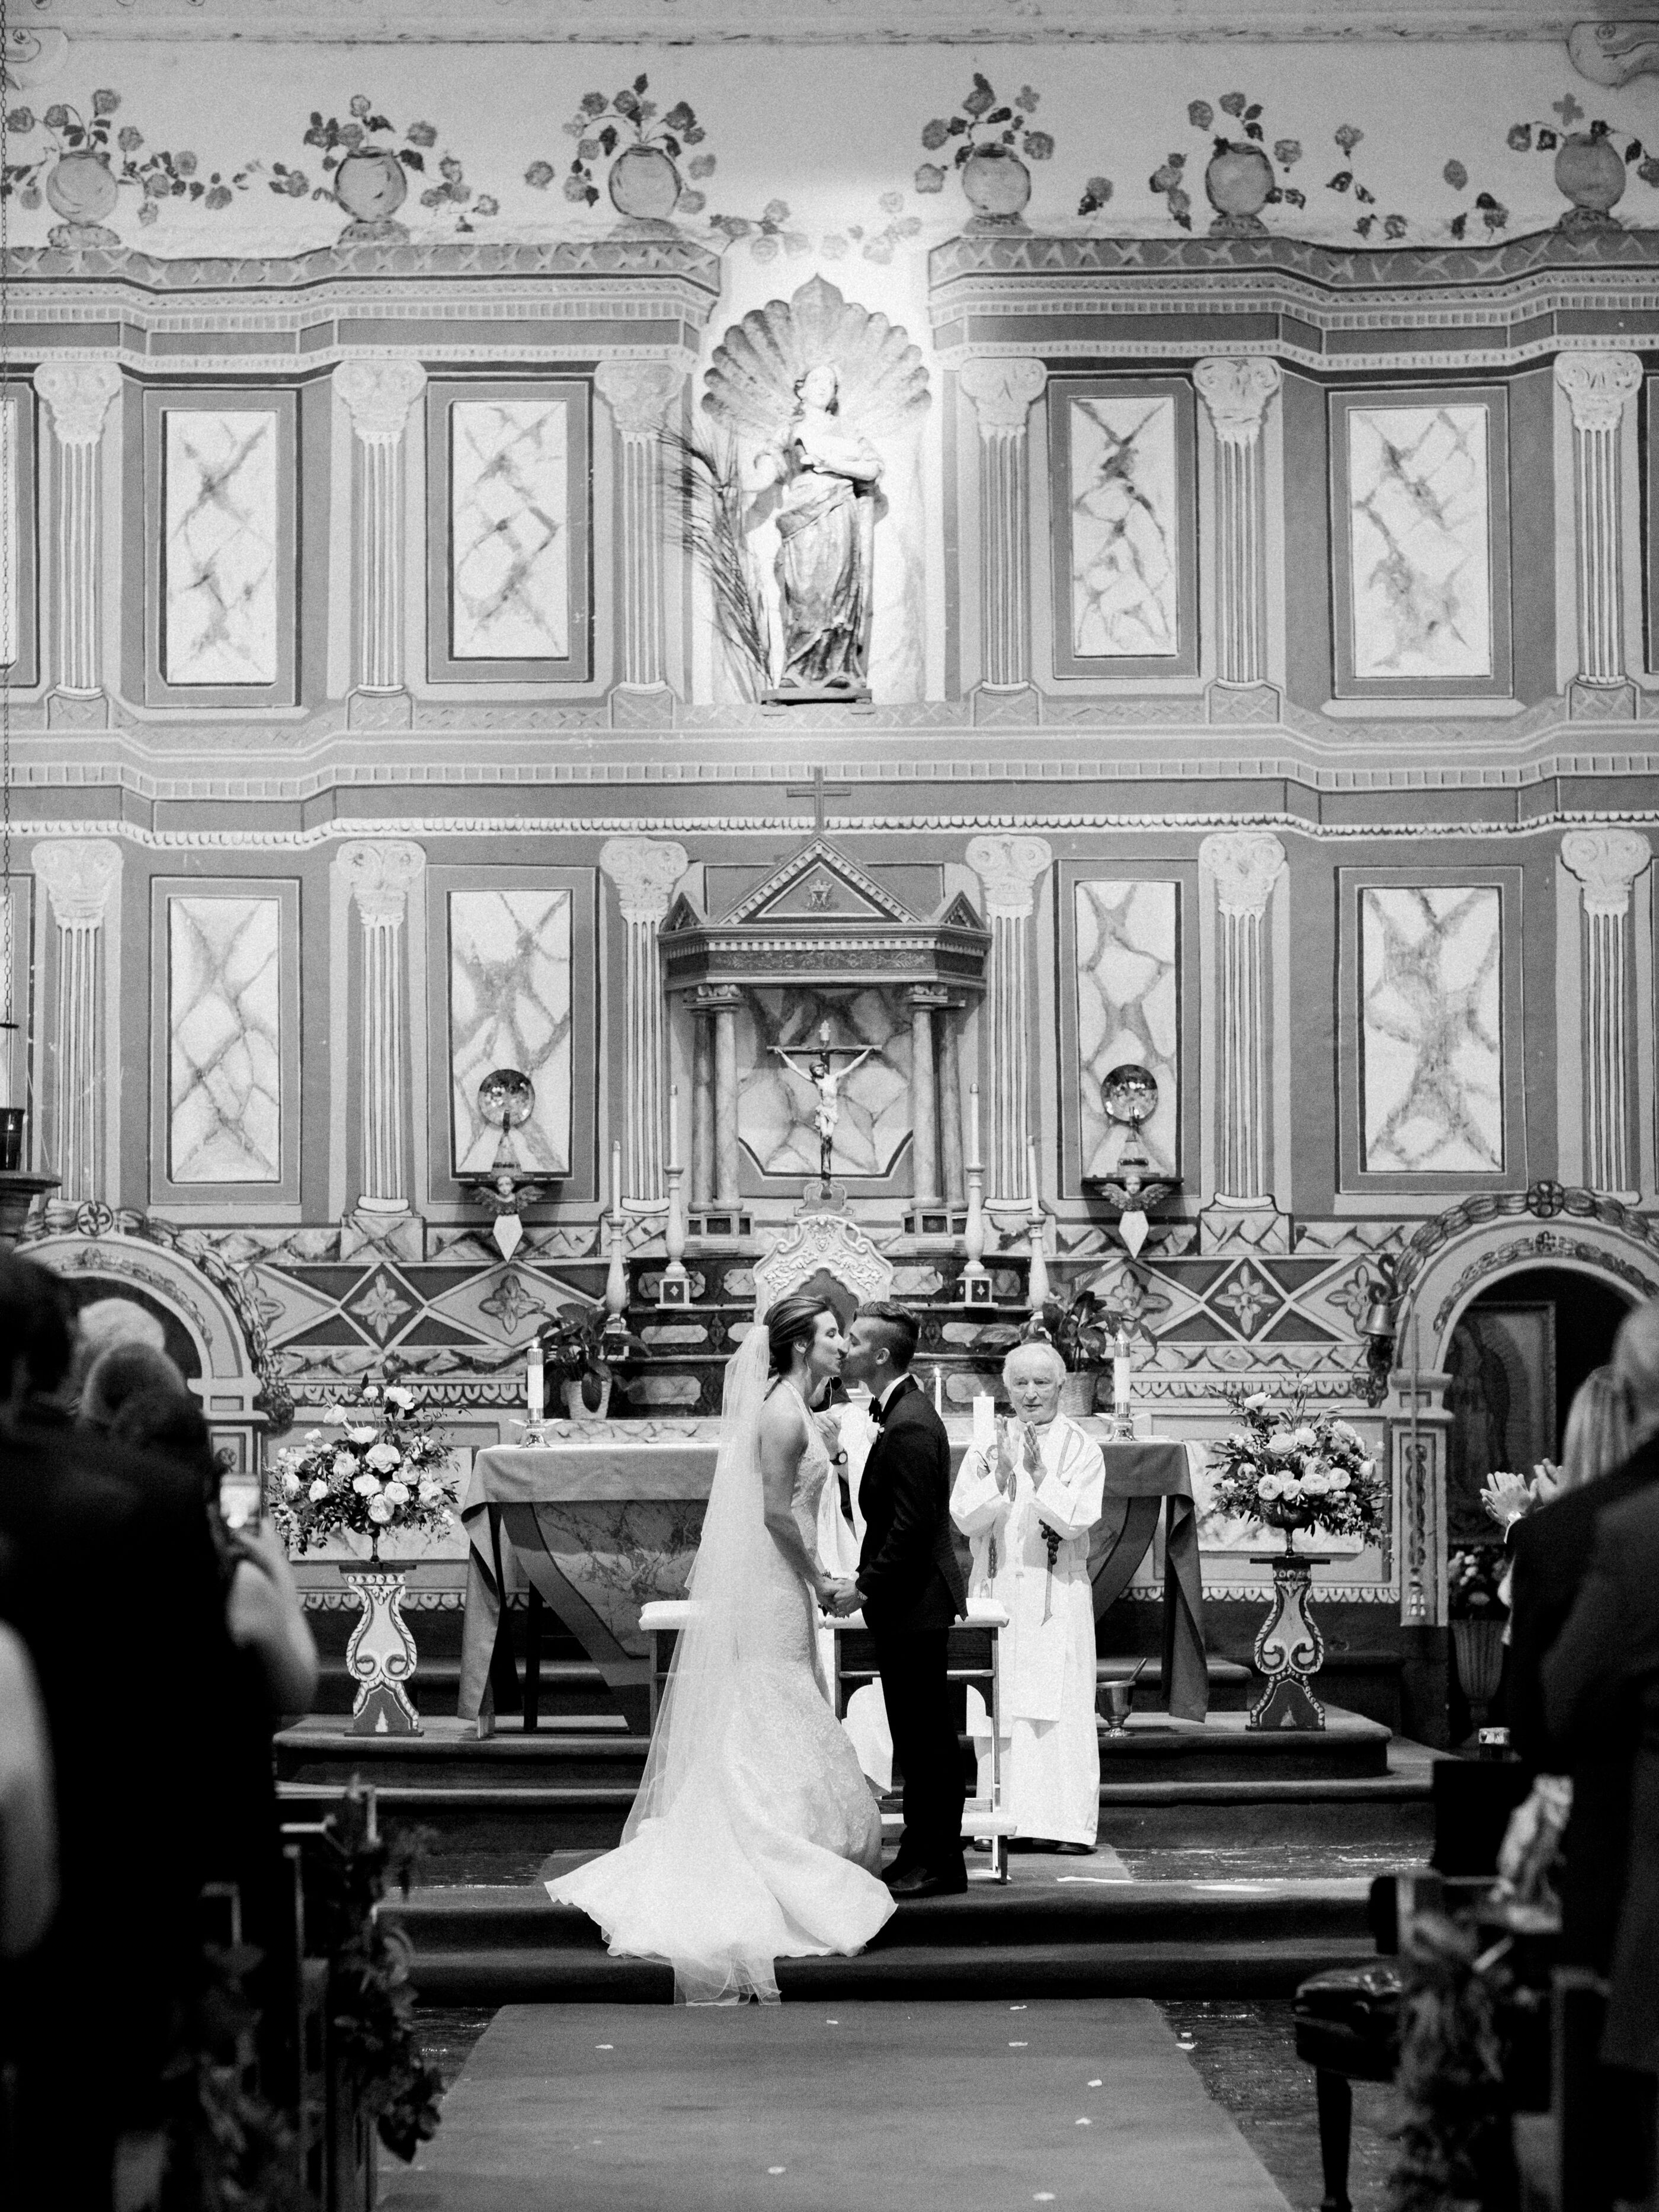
{"x": 674, "y": 1160}
{"x": 1032, "y": 1179}
{"x": 1120, "y": 1376}
{"x": 975, "y": 1159}
{"x": 615, "y": 1176}
{"x": 535, "y": 1382}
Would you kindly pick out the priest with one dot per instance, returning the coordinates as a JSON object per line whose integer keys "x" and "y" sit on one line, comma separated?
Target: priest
{"x": 1028, "y": 1505}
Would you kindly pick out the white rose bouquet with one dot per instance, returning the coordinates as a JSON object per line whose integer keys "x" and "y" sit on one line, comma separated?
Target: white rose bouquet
{"x": 372, "y": 1467}
{"x": 1296, "y": 1470}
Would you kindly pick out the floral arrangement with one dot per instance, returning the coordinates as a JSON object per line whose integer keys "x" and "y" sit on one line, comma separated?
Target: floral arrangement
{"x": 367, "y": 131}
{"x": 1169, "y": 181}
{"x": 1296, "y": 1470}
{"x": 1543, "y": 138}
{"x": 583, "y": 1344}
{"x": 983, "y": 125}
{"x": 159, "y": 175}
{"x": 373, "y": 1468}
{"x": 598, "y": 126}
{"x": 1474, "y": 1583}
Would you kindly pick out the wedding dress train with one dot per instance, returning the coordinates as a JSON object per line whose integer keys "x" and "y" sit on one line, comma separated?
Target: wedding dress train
{"x": 754, "y": 1836}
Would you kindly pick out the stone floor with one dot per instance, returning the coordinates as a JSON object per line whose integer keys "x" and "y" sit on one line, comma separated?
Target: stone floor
{"x": 1243, "y": 2052}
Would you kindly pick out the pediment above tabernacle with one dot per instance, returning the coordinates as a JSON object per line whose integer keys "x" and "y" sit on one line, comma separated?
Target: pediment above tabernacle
{"x": 821, "y": 919}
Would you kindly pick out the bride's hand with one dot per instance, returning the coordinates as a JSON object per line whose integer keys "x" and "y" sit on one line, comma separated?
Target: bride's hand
{"x": 838, "y": 1596}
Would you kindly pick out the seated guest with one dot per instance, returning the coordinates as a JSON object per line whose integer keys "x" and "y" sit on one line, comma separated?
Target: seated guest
{"x": 1552, "y": 1551}
{"x": 109, "y": 1578}
{"x": 1601, "y": 1683}
{"x": 1598, "y": 1434}
{"x": 1029, "y": 1513}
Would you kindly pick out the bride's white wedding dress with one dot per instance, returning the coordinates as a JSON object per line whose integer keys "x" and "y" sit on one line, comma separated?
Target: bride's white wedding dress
{"x": 754, "y": 1836}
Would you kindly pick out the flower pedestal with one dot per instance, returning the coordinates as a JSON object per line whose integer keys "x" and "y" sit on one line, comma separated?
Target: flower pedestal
{"x": 381, "y": 1655}
{"x": 1479, "y": 1644}
{"x": 1289, "y": 1650}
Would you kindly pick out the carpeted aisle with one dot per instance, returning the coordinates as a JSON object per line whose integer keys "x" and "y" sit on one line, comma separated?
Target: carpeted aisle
{"x": 817, "y": 2108}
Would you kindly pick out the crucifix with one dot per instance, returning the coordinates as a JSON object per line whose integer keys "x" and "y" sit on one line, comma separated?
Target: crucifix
{"x": 826, "y": 1079}
{"x": 817, "y": 791}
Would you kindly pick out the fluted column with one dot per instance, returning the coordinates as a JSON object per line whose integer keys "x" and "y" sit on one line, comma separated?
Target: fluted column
{"x": 381, "y": 873}
{"x": 1010, "y": 869}
{"x": 1607, "y": 862}
{"x": 924, "y": 999}
{"x": 950, "y": 1104}
{"x": 703, "y": 1108}
{"x": 637, "y": 393}
{"x": 644, "y": 873}
{"x": 1237, "y": 394}
{"x": 1597, "y": 384}
{"x": 79, "y": 875}
{"x": 1243, "y": 866}
{"x": 719, "y": 1003}
{"x": 1002, "y": 390}
{"x": 378, "y": 395}
{"x": 77, "y": 396}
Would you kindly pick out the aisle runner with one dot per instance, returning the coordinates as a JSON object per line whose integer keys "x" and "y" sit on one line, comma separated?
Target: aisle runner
{"x": 810, "y": 2108}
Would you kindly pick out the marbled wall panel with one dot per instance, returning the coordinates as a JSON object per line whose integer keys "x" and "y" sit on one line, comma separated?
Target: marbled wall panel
{"x": 777, "y": 1100}
{"x": 11, "y": 586}
{"x": 509, "y": 534}
{"x": 1431, "y": 1030}
{"x": 224, "y": 1046}
{"x": 1421, "y": 580}
{"x": 509, "y": 1006}
{"x": 1128, "y": 1008}
{"x": 1125, "y": 527}
{"x": 220, "y": 531}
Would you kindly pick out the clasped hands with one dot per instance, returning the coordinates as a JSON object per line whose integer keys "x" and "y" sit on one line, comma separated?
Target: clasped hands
{"x": 840, "y": 1596}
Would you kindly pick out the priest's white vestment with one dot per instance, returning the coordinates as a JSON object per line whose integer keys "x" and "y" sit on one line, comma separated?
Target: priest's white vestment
{"x": 1051, "y": 1753}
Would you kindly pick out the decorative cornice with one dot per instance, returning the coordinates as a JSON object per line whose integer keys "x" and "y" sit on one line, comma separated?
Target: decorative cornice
{"x": 679, "y": 257}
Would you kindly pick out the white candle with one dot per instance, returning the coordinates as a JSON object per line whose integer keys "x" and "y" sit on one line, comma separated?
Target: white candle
{"x": 615, "y": 1176}
{"x": 938, "y": 1391}
{"x": 974, "y": 1159}
{"x": 674, "y": 1125}
{"x": 535, "y": 1387}
{"x": 1121, "y": 1376}
{"x": 1032, "y": 1179}
{"x": 985, "y": 1425}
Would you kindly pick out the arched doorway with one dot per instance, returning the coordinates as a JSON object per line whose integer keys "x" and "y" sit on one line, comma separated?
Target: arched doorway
{"x": 1516, "y": 1356}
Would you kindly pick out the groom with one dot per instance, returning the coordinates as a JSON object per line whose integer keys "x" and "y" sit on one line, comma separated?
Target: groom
{"x": 910, "y": 1587}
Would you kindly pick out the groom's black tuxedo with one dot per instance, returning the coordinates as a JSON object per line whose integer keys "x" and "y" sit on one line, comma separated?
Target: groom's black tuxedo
{"x": 911, "y": 1586}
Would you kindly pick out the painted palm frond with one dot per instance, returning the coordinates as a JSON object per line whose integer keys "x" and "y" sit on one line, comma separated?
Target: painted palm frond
{"x": 706, "y": 510}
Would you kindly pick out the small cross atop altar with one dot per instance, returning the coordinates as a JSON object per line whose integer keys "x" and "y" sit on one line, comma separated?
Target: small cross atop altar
{"x": 817, "y": 791}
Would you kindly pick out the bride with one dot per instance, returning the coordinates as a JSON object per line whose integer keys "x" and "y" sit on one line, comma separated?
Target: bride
{"x": 754, "y": 1836}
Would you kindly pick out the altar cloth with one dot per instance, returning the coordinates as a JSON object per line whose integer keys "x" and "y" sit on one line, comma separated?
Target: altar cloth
{"x": 604, "y": 1522}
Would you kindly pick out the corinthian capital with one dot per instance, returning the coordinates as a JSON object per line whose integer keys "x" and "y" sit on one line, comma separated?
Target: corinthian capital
{"x": 1607, "y": 862}
{"x": 1237, "y": 392}
{"x": 382, "y": 870}
{"x": 644, "y": 873}
{"x": 1244, "y": 864}
{"x": 1010, "y": 869}
{"x": 1597, "y": 384}
{"x": 380, "y": 394}
{"x": 1002, "y": 387}
{"x": 79, "y": 874}
{"x": 638, "y": 391}
{"x": 78, "y": 393}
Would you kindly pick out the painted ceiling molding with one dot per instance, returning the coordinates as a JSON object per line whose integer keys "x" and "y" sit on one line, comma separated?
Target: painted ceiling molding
{"x": 977, "y": 22}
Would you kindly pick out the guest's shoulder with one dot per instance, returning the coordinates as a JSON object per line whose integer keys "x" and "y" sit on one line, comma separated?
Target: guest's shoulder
{"x": 1628, "y": 1524}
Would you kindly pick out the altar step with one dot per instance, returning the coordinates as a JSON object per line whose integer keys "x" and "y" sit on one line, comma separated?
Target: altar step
{"x": 573, "y": 1691}
{"x": 498, "y": 1807}
{"x": 1048, "y": 1934}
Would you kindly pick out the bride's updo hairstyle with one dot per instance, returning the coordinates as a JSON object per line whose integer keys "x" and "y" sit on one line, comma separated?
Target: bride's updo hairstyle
{"x": 793, "y": 1321}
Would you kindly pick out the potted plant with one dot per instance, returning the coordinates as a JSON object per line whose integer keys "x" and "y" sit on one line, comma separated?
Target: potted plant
{"x": 1291, "y": 1471}
{"x": 372, "y": 1467}
{"x": 368, "y": 169}
{"x": 644, "y": 149}
{"x": 84, "y": 162}
{"x": 582, "y": 1346}
{"x": 1592, "y": 170}
{"x": 1241, "y": 178}
{"x": 991, "y": 138}
{"x": 1475, "y": 1603}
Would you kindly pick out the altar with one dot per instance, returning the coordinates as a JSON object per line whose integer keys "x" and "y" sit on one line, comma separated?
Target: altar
{"x": 603, "y": 1519}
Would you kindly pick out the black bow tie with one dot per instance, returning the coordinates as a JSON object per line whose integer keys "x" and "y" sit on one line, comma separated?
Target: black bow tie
{"x": 890, "y": 1401}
